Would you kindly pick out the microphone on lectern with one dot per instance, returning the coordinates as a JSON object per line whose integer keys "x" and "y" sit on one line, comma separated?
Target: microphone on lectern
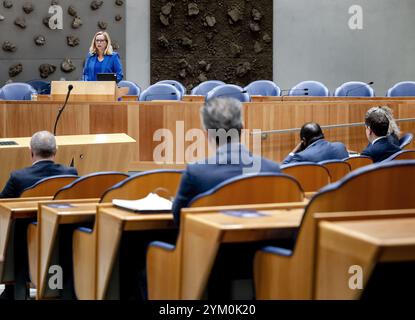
{"x": 70, "y": 87}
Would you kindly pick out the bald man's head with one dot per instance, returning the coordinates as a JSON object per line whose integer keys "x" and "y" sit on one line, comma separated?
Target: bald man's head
{"x": 311, "y": 132}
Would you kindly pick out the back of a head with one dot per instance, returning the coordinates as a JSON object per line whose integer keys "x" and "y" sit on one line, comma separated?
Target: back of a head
{"x": 378, "y": 122}
{"x": 311, "y": 132}
{"x": 393, "y": 126}
{"x": 43, "y": 144}
{"x": 222, "y": 113}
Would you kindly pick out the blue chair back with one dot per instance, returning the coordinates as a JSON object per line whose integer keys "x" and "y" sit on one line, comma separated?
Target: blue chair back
{"x": 309, "y": 88}
{"x": 41, "y": 86}
{"x": 17, "y": 91}
{"x": 263, "y": 88}
{"x": 402, "y": 89}
{"x": 92, "y": 185}
{"x": 133, "y": 89}
{"x": 228, "y": 91}
{"x": 354, "y": 89}
{"x": 405, "y": 140}
{"x": 141, "y": 184}
{"x": 402, "y": 155}
{"x": 175, "y": 84}
{"x": 270, "y": 188}
{"x": 160, "y": 91}
{"x": 203, "y": 88}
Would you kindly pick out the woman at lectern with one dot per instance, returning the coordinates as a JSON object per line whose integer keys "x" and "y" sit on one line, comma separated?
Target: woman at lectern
{"x": 102, "y": 58}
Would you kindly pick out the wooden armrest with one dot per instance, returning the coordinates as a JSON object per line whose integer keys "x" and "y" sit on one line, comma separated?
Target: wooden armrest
{"x": 32, "y": 252}
{"x": 83, "y": 248}
{"x": 163, "y": 272}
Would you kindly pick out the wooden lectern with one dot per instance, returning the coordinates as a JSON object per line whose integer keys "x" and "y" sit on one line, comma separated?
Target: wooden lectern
{"x": 88, "y": 153}
{"x": 87, "y": 90}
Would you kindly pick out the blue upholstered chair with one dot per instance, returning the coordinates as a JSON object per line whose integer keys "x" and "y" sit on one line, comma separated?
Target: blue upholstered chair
{"x": 402, "y": 89}
{"x": 41, "y": 86}
{"x": 309, "y": 88}
{"x": 203, "y": 88}
{"x": 90, "y": 186}
{"x": 405, "y": 140}
{"x": 356, "y": 162}
{"x": 141, "y": 184}
{"x": 17, "y": 91}
{"x": 263, "y": 88}
{"x": 48, "y": 186}
{"x": 133, "y": 89}
{"x": 289, "y": 273}
{"x": 311, "y": 176}
{"x": 229, "y": 91}
{"x": 160, "y": 91}
{"x": 354, "y": 89}
{"x": 337, "y": 168}
{"x": 402, "y": 155}
{"x": 175, "y": 84}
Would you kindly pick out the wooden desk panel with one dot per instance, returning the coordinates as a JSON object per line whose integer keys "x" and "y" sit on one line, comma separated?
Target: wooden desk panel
{"x": 49, "y": 221}
{"x": 111, "y": 222}
{"x": 362, "y": 243}
{"x": 204, "y": 233}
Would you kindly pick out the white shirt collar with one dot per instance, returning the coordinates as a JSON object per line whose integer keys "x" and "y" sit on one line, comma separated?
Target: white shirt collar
{"x": 377, "y": 139}
{"x": 41, "y": 160}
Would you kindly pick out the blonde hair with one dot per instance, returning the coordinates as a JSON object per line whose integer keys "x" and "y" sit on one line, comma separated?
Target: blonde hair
{"x": 93, "y": 48}
{"x": 393, "y": 126}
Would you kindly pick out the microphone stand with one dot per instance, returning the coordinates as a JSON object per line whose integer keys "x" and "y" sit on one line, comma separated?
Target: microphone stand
{"x": 361, "y": 86}
{"x": 70, "y": 87}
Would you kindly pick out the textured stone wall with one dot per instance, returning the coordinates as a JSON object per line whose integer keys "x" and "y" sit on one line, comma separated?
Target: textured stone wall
{"x": 30, "y": 49}
{"x": 197, "y": 40}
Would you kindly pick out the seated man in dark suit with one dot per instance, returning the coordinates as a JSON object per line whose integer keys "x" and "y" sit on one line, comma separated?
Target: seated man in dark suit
{"x": 393, "y": 131}
{"x": 43, "y": 150}
{"x": 222, "y": 118}
{"x": 314, "y": 148}
{"x": 380, "y": 147}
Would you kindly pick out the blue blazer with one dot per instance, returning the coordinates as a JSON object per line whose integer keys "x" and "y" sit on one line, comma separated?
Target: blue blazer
{"x": 110, "y": 64}
{"x": 24, "y": 178}
{"x": 320, "y": 150}
{"x": 381, "y": 149}
{"x": 205, "y": 175}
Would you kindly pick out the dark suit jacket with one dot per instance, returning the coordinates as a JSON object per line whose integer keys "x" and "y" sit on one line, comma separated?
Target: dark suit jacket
{"x": 205, "y": 175}
{"x": 24, "y": 178}
{"x": 381, "y": 149}
{"x": 320, "y": 150}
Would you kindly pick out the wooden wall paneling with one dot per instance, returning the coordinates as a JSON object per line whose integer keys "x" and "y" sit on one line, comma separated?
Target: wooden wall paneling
{"x": 133, "y": 129}
{"x": 108, "y": 118}
{"x": 150, "y": 119}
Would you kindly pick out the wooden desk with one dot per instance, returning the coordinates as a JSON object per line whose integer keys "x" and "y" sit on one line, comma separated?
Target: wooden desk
{"x": 50, "y": 218}
{"x": 363, "y": 243}
{"x": 204, "y": 233}
{"x": 89, "y": 153}
{"x": 12, "y": 209}
{"x": 111, "y": 222}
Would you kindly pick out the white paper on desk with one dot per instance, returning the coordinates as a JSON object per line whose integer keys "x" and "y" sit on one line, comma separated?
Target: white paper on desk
{"x": 153, "y": 202}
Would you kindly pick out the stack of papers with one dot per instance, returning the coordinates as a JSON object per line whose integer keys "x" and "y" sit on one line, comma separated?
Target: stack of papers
{"x": 153, "y": 202}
